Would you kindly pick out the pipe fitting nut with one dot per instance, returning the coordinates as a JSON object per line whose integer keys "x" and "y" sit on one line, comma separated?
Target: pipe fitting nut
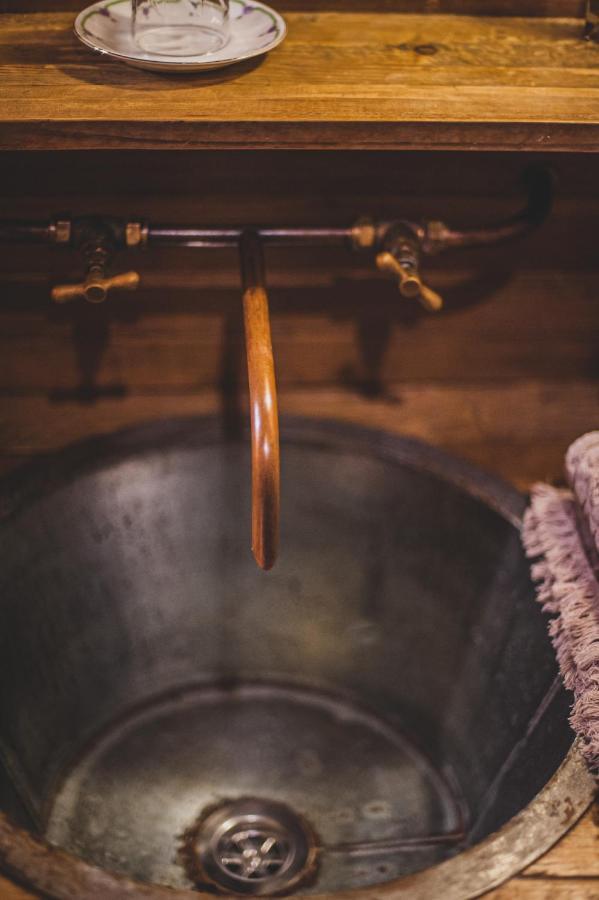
{"x": 363, "y": 234}
{"x": 136, "y": 234}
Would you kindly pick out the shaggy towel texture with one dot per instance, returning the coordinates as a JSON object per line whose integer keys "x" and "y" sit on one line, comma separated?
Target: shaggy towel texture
{"x": 561, "y": 535}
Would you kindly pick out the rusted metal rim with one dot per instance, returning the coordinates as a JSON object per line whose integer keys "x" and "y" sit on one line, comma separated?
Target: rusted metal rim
{"x": 38, "y": 866}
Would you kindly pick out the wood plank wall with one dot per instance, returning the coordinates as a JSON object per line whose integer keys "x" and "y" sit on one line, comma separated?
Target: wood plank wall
{"x": 466, "y": 7}
{"x": 507, "y": 376}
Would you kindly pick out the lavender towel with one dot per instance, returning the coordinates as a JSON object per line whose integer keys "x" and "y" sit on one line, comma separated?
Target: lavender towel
{"x": 561, "y": 534}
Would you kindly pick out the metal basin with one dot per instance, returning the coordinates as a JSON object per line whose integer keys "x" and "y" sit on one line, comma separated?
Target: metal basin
{"x": 371, "y": 712}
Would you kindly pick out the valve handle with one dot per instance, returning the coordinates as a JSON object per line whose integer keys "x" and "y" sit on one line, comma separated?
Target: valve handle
{"x": 95, "y": 288}
{"x": 410, "y": 284}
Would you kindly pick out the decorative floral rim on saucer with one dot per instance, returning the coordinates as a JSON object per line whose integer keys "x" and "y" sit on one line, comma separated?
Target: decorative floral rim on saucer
{"x": 255, "y": 29}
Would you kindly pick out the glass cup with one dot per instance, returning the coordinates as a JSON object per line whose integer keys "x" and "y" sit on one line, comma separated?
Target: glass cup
{"x": 180, "y": 27}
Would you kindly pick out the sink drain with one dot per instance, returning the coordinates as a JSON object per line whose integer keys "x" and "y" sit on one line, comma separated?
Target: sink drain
{"x": 249, "y": 846}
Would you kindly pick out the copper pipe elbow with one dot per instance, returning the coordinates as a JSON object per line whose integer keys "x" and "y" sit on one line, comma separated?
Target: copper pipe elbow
{"x": 263, "y": 404}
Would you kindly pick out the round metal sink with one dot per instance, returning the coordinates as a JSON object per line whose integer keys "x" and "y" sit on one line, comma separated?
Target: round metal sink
{"x": 382, "y": 709}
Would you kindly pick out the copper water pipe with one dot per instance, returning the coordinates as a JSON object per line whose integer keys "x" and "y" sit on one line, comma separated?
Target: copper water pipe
{"x": 263, "y": 403}
{"x": 433, "y": 237}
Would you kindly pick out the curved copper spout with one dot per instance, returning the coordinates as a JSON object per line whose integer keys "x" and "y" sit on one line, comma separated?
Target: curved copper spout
{"x": 263, "y": 404}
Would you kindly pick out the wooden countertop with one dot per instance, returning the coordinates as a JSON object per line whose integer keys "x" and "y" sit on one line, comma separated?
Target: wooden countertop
{"x": 340, "y": 80}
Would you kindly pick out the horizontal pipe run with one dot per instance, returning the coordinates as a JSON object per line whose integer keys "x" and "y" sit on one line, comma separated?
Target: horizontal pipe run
{"x": 23, "y": 232}
{"x": 433, "y": 236}
{"x": 229, "y": 237}
{"x": 44, "y": 232}
{"x": 442, "y": 238}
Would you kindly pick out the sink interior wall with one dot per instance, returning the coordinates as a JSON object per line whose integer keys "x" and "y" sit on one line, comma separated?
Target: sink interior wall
{"x": 395, "y": 588}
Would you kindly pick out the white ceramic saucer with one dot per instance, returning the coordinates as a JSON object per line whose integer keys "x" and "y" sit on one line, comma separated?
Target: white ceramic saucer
{"x": 255, "y": 28}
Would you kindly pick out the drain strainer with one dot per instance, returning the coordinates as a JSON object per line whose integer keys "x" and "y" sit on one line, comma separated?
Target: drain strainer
{"x": 250, "y": 846}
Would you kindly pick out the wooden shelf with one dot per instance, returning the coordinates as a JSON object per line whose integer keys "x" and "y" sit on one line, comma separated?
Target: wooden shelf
{"x": 341, "y": 80}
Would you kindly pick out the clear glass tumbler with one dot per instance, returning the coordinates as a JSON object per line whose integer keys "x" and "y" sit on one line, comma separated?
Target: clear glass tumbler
{"x": 180, "y": 27}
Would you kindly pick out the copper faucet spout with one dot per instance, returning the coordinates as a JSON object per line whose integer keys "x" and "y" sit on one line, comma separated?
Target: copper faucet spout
{"x": 263, "y": 403}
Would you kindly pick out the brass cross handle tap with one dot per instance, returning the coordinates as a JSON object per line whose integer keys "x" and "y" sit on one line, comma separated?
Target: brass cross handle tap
{"x": 96, "y": 286}
{"x": 400, "y": 257}
{"x": 263, "y": 403}
{"x": 97, "y": 242}
{"x": 409, "y": 282}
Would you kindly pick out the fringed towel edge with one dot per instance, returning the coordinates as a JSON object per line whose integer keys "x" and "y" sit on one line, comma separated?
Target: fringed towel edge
{"x": 568, "y": 591}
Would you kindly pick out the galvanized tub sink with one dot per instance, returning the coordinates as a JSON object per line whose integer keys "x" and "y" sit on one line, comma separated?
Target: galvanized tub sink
{"x": 379, "y": 716}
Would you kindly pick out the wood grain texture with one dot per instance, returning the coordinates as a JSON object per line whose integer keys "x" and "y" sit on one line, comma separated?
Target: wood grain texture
{"x": 161, "y": 341}
{"x": 10, "y": 891}
{"x": 467, "y": 419}
{"x": 542, "y": 8}
{"x": 576, "y": 855}
{"x": 547, "y": 889}
{"x": 346, "y": 79}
